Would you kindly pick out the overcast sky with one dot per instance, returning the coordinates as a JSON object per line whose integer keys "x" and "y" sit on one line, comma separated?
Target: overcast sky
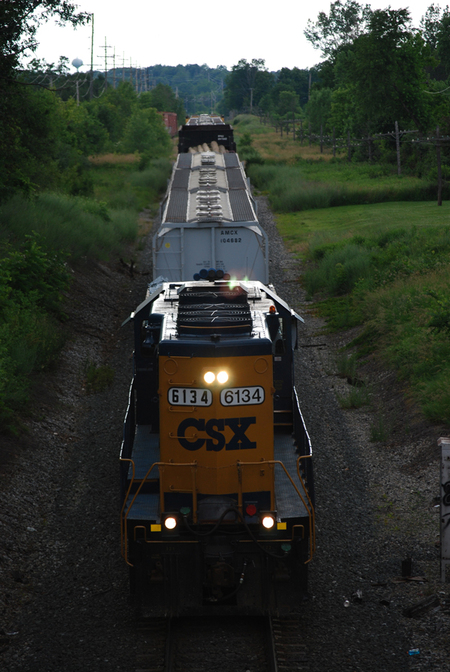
{"x": 170, "y": 33}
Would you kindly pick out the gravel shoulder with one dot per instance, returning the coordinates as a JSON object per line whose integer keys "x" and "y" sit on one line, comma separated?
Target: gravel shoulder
{"x": 64, "y": 587}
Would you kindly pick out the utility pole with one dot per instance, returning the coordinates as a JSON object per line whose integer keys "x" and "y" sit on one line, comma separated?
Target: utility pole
{"x": 106, "y": 47}
{"x": 397, "y": 144}
{"x": 91, "y": 83}
{"x": 439, "y": 168}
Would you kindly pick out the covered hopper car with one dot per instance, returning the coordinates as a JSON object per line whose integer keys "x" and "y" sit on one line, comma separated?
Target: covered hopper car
{"x": 216, "y": 463}
{"x": 208, "y": 215}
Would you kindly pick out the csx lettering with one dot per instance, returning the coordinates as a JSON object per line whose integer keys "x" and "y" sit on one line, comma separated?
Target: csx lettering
{"x": 215, "y": 428}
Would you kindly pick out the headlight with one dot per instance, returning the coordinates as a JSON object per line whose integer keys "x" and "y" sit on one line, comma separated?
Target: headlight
{"x": 221, "y": 377}
{"x": 268, "y": 521}
{"x": 170, "y": 523}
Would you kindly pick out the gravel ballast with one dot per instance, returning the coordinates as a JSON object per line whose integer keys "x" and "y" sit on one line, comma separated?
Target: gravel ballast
{"x": 64, "y": 602}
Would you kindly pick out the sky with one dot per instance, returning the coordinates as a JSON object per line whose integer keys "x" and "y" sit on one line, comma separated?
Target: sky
{"x": 143, "y": 33}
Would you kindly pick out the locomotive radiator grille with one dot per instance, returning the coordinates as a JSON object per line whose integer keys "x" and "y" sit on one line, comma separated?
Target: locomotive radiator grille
{"x": 225, "y": 311}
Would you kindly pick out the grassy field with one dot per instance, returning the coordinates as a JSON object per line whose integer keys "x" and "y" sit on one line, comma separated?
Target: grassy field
{"x": 298, "y": 177}
{"x": 375, "y": 249}
{"x": 306, "y": 230}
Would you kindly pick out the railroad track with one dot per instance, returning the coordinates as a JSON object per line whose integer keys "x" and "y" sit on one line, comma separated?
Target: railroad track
{"x": 224, "y": 644}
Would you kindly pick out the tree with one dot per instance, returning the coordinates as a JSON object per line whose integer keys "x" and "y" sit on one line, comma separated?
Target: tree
{"x": 145, "y": 133}
{"x": 430, "y": 25}
{"x": 294, "y": 80}
{"x": 83, "y": 131}
{"x": 114, "y": 108}
{"x": 443, "y": 41}
{"x": 19, "y": 21}
{"x": 246, "y": 84}
{"x": 20, "y": 134}
{"x": 388, "y": 71}
{"x": 318, "y": 109}
{"x": 345, "y": 22}
{"x": 163, "y": 99}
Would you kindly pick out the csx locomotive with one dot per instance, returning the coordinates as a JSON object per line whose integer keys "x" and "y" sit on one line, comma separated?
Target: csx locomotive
{"x": 217, "y": 484}
{"x": 216, "y": 462}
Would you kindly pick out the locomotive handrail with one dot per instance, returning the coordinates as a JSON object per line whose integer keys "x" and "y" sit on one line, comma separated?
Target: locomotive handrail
{"x": 193, "y": 466}
{"x": 313, "y": 527}
{"x": 310, "y": 510}
{"x": 124, "y": 514}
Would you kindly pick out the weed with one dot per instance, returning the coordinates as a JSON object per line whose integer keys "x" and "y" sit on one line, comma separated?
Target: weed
{"x": 356, "y": 398}
{"x": 97, "y": 378}
{"x": 346, "y": 365}
{"x": 378, "y": 429}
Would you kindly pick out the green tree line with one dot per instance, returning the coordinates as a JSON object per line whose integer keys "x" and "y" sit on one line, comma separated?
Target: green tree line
{"x": 379, "y": 69}
{"x": 46, "y": 140}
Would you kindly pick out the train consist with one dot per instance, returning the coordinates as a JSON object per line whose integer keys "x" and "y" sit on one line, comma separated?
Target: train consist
{"x": 216, "y": 462}
{"x": 208, "y": 216}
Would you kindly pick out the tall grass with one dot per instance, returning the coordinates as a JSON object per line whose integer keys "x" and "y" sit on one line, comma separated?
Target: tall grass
{"x": 367, "y": 262}
{"x": 382, "y": 262}
{"x": 152, "y": 178}
{"x": 396, "y": 283}
{"x": 80, "y": 226}
{"x": 128, "y": 185}
{"x": 31, "y": 280}
{"x": 36, "y": 238}
{"x": 291, "y": 188}
{"x": 401, "y": 317}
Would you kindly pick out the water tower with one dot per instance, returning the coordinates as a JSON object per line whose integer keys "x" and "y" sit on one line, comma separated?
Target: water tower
{"x": 77, "y": 63}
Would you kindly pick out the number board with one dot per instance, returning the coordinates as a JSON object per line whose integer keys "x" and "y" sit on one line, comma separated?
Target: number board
{"x": 189, "y": 396}
{"x": 242, "y": 396}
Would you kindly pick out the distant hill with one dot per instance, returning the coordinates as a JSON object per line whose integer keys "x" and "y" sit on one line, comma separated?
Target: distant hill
{"x": 199, "y": 86}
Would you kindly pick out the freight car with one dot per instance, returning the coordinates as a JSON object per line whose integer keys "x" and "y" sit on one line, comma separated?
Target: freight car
{"x": 216, "y": 463}
{"x": 208, "y": 216}
{"x": 208, "y": 129}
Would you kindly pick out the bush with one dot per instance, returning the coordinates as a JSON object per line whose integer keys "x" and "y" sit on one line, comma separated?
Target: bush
{"x": 32, "y": 278}
{"x": 145, "y": 133}
{"x": 340, "y": 270}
